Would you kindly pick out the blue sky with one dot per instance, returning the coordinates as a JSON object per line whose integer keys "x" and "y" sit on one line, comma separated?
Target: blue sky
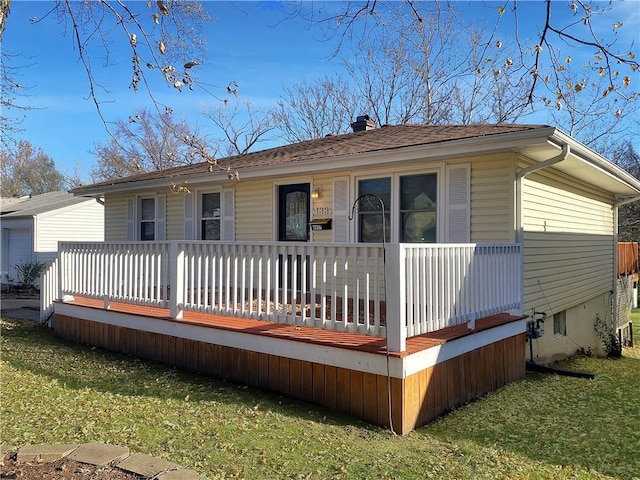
{"x": 248, "y": 43}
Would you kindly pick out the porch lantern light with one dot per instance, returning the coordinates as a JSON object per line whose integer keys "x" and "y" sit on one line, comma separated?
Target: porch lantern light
{"x": 317, "y": 193}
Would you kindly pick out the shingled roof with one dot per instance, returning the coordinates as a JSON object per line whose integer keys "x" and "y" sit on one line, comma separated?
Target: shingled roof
{"x": 39, "y": 204}
{"x": 379, "y": 139}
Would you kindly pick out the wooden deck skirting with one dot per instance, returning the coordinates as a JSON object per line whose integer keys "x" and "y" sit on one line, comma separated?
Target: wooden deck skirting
{"x": 420, "y": 390}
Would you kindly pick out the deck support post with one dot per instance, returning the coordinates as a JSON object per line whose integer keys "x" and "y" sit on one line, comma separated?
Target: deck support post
{"x": 176, "y": 297}
{"x": 395, "y": 297}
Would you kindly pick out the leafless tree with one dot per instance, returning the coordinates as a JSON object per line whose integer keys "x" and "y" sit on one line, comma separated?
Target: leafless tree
{"x": 27, "y": 171}
{"x": 146, "y": 142}
{"x": 240, "y": 126}
{"x": 629, "y": 214}
{"x": 584, "y": 112}
{"x": 429, "y": 72}
{"x": 540, "y": 58}
{"x": 164, "y": 40}
{"x": 317, "y": 109}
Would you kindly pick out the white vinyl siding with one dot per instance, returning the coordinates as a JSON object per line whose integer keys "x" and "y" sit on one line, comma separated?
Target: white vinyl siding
{"x": 81, "y": 222}
{"x": 175, "y": 216}
{"x": 492, "y": 199}
{"x": 115, "y": 223}
{"x": 189, "y": 212}
{"x": 254, "y": 210}
{"x": 568, "y": 242}
{"x": 341, "y": 210}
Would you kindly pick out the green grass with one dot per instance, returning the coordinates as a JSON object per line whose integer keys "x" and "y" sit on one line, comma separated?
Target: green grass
{"x": 544, "y": 427}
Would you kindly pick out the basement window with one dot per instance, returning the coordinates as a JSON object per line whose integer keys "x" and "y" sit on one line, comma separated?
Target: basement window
{"x": 559, "y": 324}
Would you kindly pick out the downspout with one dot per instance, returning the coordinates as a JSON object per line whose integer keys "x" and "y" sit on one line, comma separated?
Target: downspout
{"x": 520, "y": 208}
{"x": 526, "y": 171}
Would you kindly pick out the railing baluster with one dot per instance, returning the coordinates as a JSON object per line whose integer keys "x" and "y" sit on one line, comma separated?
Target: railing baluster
{"x": 443, "y": 284}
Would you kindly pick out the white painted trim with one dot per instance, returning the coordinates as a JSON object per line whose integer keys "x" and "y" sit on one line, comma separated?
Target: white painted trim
{"x": 428, "y": 358}
{"x": 321, "y": 354}
{"x": 437, "y": 168}
{"x": 337, "y": 357}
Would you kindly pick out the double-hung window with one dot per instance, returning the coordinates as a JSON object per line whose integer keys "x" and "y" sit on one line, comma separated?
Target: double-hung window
{"x": 147, "y": 216}
{"x": 210, "y": 216}
{"x": 371, "y": 223}
{"x": 418, "y": 212}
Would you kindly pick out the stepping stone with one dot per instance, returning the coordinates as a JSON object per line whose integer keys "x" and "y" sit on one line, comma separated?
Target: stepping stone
{"x": 99, "y": 454}
{"x": 180, "y": 474}
{"x": 7, "y": 449}
{"x": 43, "y": 453}
{"x": 145, "y": 465}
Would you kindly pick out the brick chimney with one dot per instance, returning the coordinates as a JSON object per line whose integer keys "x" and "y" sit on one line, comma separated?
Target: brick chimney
{"x": 363, "y": 123}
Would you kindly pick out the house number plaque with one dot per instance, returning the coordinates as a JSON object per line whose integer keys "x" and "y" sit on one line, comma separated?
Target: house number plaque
{"x": 322, "y": 211}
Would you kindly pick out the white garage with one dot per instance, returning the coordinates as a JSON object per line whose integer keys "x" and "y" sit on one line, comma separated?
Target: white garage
{"x": 31, "y": 227}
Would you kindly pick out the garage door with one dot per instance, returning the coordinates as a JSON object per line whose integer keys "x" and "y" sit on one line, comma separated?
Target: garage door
{"x": 19, "y": 251}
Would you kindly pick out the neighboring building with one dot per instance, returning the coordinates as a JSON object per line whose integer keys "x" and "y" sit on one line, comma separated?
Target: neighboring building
{"x": 479, "y": 220}
{"x": 30, "y": 228}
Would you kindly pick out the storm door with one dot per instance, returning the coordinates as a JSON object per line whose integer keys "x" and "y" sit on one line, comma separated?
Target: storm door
{"x": 293, "y": 213}
{"x": 293, "y": 226}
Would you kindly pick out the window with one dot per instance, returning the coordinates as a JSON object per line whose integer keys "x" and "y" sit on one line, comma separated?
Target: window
{"x": 418, "y": 213}
{"x": 210, "y": 216}
{"x": 415, "y": 221}
{"x": 559, "y": 324}
{"x": 147, "y": 219}
{"x": 370, "y": 222}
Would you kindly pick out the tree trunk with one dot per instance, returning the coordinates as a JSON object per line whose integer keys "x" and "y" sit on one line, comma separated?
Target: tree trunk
{"x": 4, "y": 11}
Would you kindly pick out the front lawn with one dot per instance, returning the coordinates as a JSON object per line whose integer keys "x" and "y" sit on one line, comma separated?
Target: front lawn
{"x": 542, "y": 427}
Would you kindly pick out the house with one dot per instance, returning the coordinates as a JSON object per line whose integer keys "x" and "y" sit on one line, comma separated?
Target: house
{"x": 30, "y": 228}
{"x": 627, "y": 290}
{"x": 392, "y": 273}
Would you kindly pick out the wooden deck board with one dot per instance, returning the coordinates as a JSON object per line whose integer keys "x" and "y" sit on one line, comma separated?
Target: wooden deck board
{"x": 319, "y": 336}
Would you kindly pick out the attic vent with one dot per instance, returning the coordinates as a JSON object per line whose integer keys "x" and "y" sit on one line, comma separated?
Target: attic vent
{"x": 363, "y": 123}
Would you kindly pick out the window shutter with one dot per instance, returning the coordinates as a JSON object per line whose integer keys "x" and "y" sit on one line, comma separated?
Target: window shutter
{"x": 131, "y": 236}
{"x": 161, "y": 217}
{"x": 228, "y": 233}
{"x": 188, "y": 217}
{"x": 341, "y": 210}
{"x": 458, "y": 218}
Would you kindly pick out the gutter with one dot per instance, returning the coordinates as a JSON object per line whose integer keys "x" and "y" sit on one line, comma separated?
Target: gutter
{"x": 626, "y": 201}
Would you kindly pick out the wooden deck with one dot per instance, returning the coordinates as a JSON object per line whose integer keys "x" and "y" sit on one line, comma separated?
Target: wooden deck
{"x": 346, "y": 372}
{"x": 318, "y": 336}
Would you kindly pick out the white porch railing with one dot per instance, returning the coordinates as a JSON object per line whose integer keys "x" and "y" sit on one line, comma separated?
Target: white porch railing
{"x": 342, "y": 287}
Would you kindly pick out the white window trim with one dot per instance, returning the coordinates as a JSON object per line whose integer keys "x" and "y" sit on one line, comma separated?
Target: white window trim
{"x": 138, "y": 217}
{"x": 394, "y": 209}
{"x": 563, "y": 315}
{"x": 134, "y": 217}
{"x": 198, "y": 211}
{"x": 275, "y": 199}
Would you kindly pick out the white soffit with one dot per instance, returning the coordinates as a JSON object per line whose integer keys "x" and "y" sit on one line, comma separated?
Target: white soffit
{"x": 612, "y": 179}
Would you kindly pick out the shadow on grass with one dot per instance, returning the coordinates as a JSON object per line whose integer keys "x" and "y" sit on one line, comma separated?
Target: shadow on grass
{"x": 27, "y": 346}
{"x": 559, "y": 421}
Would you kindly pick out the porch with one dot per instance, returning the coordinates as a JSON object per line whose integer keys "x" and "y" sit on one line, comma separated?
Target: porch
{"x": 394, "y": 335}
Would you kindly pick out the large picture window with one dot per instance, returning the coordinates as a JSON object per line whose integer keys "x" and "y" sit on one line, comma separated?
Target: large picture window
{"x": 413, "y": 219}
{"x": 210, "y": 216}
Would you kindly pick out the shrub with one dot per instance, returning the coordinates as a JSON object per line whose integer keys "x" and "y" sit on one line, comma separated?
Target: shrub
{"x": 29, "y": 272}
{"x": 610, "y": 342}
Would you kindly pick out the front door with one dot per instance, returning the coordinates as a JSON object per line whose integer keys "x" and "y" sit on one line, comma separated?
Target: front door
{"x": 293, "y": 213}
{"x": 293, "y": 226}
